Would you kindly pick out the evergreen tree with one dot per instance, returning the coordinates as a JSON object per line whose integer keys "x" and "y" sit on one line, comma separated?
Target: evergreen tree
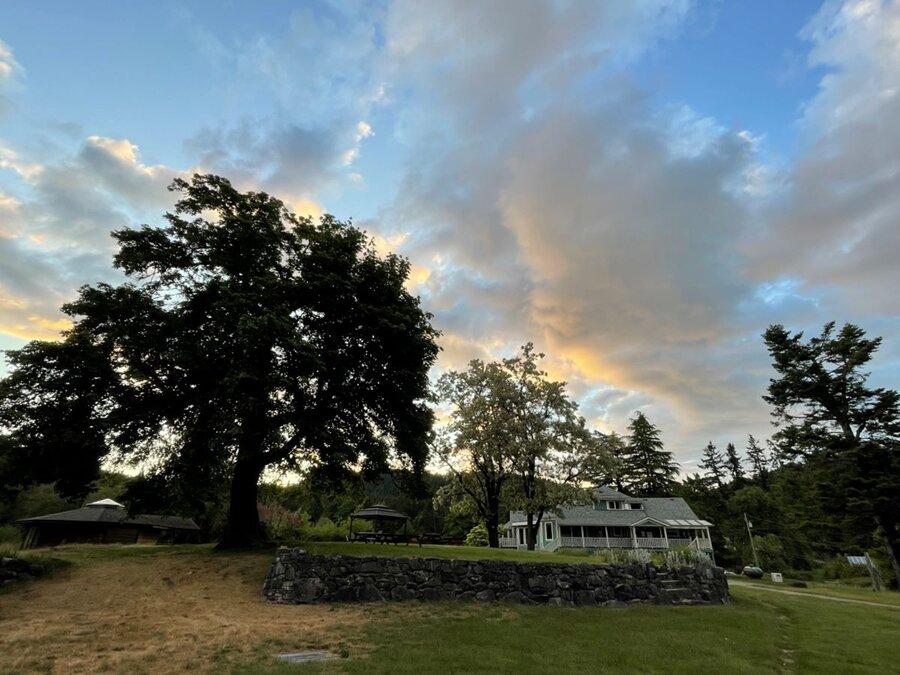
{"x": 826, "y": 410}
{"x": 647, "y": 468}
{"x": 758, "y": 459}
{"x": 713, "y": 464}
{"x": 616, "y": 447}
{"x": 733, "y": 461}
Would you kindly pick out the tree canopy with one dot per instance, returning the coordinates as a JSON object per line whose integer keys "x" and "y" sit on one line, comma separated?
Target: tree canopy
{"x": 647, "y": 468}
{"x": 515, "y": 437}
{"x": 245, "y": 337}
{"x": 824, "y": 408}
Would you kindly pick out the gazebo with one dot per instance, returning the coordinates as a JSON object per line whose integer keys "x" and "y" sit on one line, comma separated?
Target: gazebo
{"x": 380, "y": 515}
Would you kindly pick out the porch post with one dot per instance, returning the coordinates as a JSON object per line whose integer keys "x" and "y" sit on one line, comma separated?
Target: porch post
{"x": 606, "y": 535}
{"x": 633, "y": 537}
{"x": 582, "y": 536}
{"x": 708, "y": 538}
{"x": 666, "y": 536}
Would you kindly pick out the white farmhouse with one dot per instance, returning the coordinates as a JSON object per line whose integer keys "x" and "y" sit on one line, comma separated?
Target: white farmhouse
{"x": 616, "y": 520}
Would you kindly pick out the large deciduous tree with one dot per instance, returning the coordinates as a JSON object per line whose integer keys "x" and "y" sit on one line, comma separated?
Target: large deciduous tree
{"x": 648, "y": 469}
{"x": 515, "y": 434}
{"x": 556, "y": 456}
{"x": 246, "y": 337}
{"x": 824, "y": 408}
{"x": 478, "y": 444}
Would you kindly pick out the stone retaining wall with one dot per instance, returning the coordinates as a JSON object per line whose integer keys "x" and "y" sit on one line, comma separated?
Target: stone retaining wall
{"x": 297, "y": 577}
{"x": 16, "y": 569}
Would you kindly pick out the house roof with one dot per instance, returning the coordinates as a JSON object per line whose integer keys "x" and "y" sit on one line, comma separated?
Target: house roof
{"x": 606, "y": 492}
{"x": 669, "y": 511}
{"x": 114, "y": 513}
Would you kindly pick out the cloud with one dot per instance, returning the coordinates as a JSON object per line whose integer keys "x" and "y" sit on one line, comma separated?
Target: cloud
{"x": 10, "y": 70}
{"x": 837, "y": 226}
{"x": 54, "y": 236}
{"x": 600, "y": 226}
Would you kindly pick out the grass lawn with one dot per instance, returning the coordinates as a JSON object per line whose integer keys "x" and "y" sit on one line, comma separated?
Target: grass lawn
{"x": 176, "y": 608}
{"x": 830, "y": 588}
{"x": 434, "y": 551}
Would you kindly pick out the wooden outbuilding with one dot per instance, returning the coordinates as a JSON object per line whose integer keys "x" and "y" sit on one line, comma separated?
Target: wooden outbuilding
{"x": 106, "y": 522}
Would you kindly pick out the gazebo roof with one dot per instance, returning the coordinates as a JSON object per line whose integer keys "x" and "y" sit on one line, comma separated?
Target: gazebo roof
{"x": 380, "y": 512}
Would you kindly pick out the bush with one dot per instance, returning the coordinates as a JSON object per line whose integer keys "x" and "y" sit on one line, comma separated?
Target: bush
{"x": 839, "y": 568}
{"x": 10, "y": 534}
{"x": 325, "y": 529}
{"x": 292, "y": 528}
{"x": 616, "y": 556}
{"x": 478, "y": 536}
{"x": 684, "y": 556}
{"x": 770, "y": 551}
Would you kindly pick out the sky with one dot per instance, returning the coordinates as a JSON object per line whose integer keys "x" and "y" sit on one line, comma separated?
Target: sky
{"x": 640, "y": 188}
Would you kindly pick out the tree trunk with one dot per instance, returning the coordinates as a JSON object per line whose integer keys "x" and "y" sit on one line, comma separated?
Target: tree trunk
{"x": 243, "y": 529}
{"x": 492, "y": 522}
{"x": 530, "y": 531}
{"x": 889, "y": 531}
{"x": 492, "y": 525}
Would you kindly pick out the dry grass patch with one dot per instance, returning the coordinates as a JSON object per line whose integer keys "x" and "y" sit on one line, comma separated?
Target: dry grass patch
{"x": 161, "y": 613}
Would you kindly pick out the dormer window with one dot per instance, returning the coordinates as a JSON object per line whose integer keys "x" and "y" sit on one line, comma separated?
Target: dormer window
{"x": 635, "y": 506}
{"x": 615, "y": 506}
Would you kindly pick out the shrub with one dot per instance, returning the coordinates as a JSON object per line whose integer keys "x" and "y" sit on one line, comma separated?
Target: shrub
{"x": 770, "y": 551}
{"x": 293, "y": 528}
{"x": 684, "y": 556}
{"x": 839, "y": 568}
{"x": 10, "y": 534}
{"x": 477, "y": 536}
{"x": 325, "y": 529}
{"x": 618, "y": 556}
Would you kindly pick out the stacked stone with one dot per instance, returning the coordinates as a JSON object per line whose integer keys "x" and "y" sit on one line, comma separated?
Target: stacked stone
{"x": 16, "y": 569}
{"x": 297, "y": 577}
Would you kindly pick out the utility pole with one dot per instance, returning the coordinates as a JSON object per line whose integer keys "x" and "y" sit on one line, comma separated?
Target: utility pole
{"x": 750, "y": 534}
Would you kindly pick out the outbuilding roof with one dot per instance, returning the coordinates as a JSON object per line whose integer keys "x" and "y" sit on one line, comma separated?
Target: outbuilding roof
{"x": 380, "y": 511}
{"x": 109, "y": 511}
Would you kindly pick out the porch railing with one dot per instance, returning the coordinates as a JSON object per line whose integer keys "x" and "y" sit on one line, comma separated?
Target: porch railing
{"x": 596, "y": 542}
{"x": 626, "y": 542}
{"x": 507, "y": 542}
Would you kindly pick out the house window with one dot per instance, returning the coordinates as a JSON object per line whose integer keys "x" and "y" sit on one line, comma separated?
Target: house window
{"x": 549, "y": 531}
{"x": 614, "y": 506}
{"x": 635, "y": 506}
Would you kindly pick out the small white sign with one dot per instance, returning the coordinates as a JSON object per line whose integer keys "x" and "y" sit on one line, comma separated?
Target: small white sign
{"x": 776, "y": 577}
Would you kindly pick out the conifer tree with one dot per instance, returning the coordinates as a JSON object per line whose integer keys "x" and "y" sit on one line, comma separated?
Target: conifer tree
{"x": 733, "y": 461}
{"x": 647, "y": 469}
{"x": 758, "y": 459}
{"x": 713, "y": 464}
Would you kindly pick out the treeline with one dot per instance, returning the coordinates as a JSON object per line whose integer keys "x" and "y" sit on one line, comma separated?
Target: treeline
{"x": 247, "y": 342}
{"x": 290, "y": 511}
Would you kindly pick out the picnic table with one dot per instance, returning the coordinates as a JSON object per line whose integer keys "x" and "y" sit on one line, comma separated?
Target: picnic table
{"x": 381, "y": 537}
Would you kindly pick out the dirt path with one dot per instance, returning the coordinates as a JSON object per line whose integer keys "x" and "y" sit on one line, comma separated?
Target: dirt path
{"x": 785, "y": 591}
